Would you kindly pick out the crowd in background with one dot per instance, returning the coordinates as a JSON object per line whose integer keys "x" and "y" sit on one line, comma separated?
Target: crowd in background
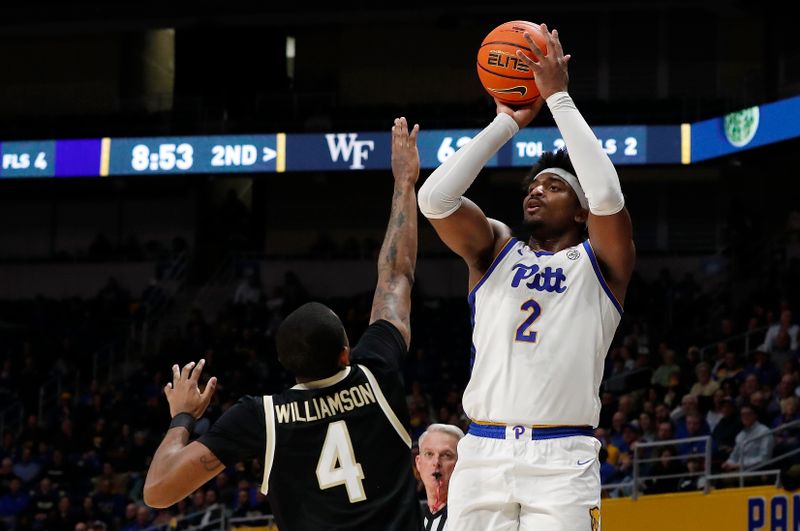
{"x": 686, "y": 361}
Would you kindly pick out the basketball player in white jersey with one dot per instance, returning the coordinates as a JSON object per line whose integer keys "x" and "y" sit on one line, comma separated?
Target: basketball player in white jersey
{"x": 544, "y": 313}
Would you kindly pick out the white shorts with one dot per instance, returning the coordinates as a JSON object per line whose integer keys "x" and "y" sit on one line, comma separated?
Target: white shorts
{"x": 529, "y": 485}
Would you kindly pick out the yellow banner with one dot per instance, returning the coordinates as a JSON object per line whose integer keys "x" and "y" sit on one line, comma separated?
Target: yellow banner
{"x": 747, "y": 509}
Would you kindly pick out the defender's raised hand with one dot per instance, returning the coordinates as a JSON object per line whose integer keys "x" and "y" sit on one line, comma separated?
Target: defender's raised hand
{"x": 405, "y": 156}
{"x": 183, "y": 393}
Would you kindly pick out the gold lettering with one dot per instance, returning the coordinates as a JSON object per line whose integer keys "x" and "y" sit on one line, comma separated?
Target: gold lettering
{"x": 358, "y": 400}
{"x": 347, "y": 403}
{"x": 282, "y": 412}
{"x": 325, "y": 412}
{"x": 309, "y": 418}
{"x": 335, "y": 403}
{"x": 369, "y": 395}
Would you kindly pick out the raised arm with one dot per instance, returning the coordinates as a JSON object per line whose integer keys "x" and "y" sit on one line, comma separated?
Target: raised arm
{"x": 610, "y": 231}
{"x": 398, "y": 257}
{"x": 179, "y": 469}
{"x": 460, "y": 223}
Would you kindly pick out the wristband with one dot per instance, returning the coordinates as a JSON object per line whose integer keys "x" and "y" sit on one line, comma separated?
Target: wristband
{"x": 183, "y": 420}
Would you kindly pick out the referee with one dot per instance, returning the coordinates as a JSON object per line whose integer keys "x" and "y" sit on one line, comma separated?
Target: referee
{"x": 438, "y": 453}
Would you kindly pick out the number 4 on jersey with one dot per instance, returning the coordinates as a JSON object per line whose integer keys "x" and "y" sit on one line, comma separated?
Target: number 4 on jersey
{"x": 338, "y": 449}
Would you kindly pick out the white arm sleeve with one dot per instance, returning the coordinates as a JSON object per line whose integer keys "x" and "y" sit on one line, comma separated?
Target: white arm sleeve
{"x": 441, "y": 193}
{"x": 594, "y": 169}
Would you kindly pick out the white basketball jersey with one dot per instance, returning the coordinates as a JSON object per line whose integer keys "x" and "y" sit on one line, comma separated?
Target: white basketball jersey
{"x": 542, "y": 325}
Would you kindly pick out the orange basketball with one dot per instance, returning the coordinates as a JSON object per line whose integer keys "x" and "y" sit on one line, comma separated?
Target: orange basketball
{"x": 504, "y": 75}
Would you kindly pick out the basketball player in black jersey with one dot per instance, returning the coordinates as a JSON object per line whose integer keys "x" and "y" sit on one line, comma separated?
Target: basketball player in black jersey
{"x": 336, "y": 446}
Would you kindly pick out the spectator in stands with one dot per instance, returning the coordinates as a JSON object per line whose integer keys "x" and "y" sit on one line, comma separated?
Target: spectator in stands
{"x": 693, "y": 480}
{"x": 662, "y": 414}
{"x": 786, "y": 327}
{"x": 665, "y": 431}
{"x": 667, "y": 465}
{"x": 608, "y": 406}
{"x": 695, "y": 426}
{"x": 690, "y": 361}
{"x": 110, "y": 506}
{"x": 627, "y": 357}
{"x": 714, "y": 413}
{"x": 729, "y": 369}
{"x": 602, "y": 435}
{"x": 226, "y": 491}
{"x": 727, "y": 428}
{"x": 784, "y": 390}
{"x": 758, "y": 401}
{"x": 763, "y": 369}
{"x": 646, "y": 427}
{"x": 65, "y": 516}
{"x": 244, "y": 506}
{"x": 13, "y": 504}
{"x": 6, "y": 473}
{"x": 754, "y": 443}
{"x": 143, "y": 520}
{"x": 664, "y": 374}
{"x": 33, "y": 431}
{"x": 747, "y": 387}
{"x": 129, "y": 520}
{"x": 44, "y": 502}
{"x": 630, "y": 436}
{"x": 608, "y": 472}
{"x": 704, "y": 386}
{"x": 690, "y": 405}
{"x": 27, "y": 468}
{"x": 618, "y": 422}
{"x": 788, "y": 439}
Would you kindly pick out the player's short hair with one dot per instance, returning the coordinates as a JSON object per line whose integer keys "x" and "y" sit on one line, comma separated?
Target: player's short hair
{"x": 441, "y": 428}
{"x": 549, "y": 159}
{"x": 310, "y": 341}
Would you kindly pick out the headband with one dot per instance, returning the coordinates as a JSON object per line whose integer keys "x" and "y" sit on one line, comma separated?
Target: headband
{"x": 571, "y": 180}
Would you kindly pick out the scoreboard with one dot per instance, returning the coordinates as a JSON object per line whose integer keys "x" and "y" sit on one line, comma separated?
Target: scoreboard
{"x": 281, "y": 152}
{"x": 371, "y": 150}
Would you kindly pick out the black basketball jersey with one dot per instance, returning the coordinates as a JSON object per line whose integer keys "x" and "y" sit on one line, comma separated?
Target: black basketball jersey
{"x": 337, "y": 452}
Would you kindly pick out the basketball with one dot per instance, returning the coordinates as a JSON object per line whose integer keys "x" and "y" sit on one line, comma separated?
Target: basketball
{"x": 504, "y": 75}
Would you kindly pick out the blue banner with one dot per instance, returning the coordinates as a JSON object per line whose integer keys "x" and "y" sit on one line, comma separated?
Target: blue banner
{"x": 360, "y": 151}
{"x": 746, "y": 129}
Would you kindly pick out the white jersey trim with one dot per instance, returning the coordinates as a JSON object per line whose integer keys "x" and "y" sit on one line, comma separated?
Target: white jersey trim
{"x": 327, "y": 382}
{"x": 497, "y": 259}
{"x": 269, "y": 454}
{"x": 387, "y": 409}
{"x": 600, "y": 278}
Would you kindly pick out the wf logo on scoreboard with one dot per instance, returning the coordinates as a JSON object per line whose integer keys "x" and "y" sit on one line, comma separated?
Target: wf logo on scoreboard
{"x": 349, "y": 148}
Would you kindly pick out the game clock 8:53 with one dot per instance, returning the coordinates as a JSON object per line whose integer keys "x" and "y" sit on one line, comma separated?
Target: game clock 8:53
{"x": 166, "y": 157}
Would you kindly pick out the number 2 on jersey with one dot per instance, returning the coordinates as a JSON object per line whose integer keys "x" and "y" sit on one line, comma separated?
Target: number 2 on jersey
{"x": 338, "y": 448}
{"x": 524, "y": 333}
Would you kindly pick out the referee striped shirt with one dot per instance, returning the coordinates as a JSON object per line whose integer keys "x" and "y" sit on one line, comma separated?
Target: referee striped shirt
{"x": 434, "y": 521}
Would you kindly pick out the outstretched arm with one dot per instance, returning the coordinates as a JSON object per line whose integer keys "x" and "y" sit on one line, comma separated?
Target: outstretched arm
{"x": 460, "y": 223}
{"x": 610, "y": 230}
{"x": 398, "y": 257}
{"x": 179, "y": 469}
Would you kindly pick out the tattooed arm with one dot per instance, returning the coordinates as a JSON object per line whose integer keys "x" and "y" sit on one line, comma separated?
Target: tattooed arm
{"x": 398, "y": 256}
{"x": 178, "y": 469}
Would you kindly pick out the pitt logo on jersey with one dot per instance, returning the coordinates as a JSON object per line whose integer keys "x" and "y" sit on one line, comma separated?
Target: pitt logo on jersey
{"x": 545, "y": 279}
